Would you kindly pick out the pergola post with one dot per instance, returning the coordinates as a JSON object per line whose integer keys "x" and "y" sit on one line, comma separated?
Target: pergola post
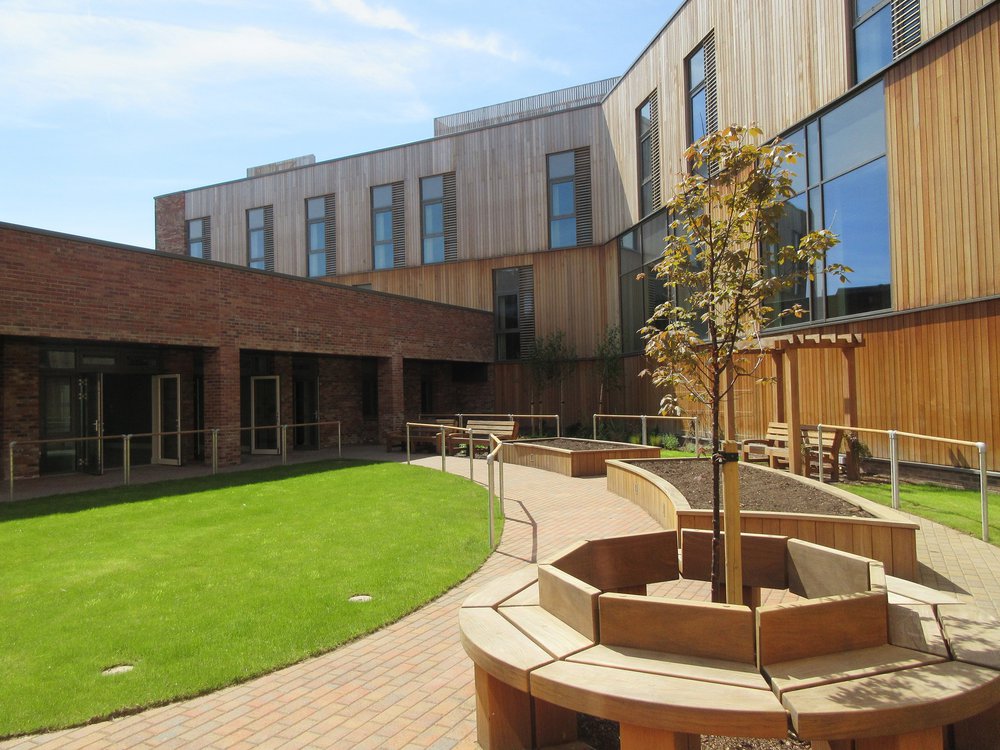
{"x": 850, "y": 380}
{"x": 793, "y": 416}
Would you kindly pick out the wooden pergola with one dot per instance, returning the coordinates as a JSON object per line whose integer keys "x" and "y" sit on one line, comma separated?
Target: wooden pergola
{"x": 784, "y": 351}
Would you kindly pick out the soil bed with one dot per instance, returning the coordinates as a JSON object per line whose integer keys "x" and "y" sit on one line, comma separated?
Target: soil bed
{"x": 759, "y": 490}
{"x": 569, "y": 444}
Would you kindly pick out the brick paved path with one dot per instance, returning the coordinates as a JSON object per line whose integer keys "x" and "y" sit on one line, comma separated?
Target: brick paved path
{"x": 410, "y": 684}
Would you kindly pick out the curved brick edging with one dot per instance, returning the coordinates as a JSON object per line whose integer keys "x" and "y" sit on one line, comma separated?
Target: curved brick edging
{"x": 889, "y": 538}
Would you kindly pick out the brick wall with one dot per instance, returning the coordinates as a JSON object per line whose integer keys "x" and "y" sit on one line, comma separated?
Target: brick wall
{"x": 20, "y": 406}
{"x": 170, "y": 224}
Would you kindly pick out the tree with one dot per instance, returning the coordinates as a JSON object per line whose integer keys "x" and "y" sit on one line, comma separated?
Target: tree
{"x": 724, "y": 267}
{"x": 609, "y": 364}
{"x": 550, "y": 364}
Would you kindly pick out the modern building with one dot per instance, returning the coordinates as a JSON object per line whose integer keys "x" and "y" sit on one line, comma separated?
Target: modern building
{"x": 531, "y": 218}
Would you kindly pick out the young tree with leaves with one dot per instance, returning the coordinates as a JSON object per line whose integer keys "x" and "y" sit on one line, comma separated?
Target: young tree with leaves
{"x": 724, "y": 265}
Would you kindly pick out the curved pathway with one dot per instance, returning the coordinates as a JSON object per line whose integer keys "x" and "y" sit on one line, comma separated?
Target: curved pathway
{"x": 410, "y": 685}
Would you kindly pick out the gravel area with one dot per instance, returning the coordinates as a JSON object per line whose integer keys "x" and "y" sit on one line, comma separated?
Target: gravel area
{"x": 759, "y": 490}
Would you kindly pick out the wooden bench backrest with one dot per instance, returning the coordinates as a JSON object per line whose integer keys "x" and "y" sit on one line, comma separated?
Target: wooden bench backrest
{"x": 764, "y": 558}
{"x": 501, "y": 428}
{"x": 831, "y": 438}
{"x": 571, "y": 600}
{"x": 815, "y": 570}
{"x": 622, "y": 562}
{"x": 816, "y": 627}
{"x": 777, "y": 431}
{"x": 700, "y": 629}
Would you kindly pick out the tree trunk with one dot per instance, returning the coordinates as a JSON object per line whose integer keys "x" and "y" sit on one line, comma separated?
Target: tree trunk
{"x": 718, "y": 590}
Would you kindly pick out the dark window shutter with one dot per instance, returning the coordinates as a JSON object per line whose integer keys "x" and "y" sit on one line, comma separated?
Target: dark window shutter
{"x": 330, "y": 233}
{"x": 268, "y": 238}
{"x": 582, "y": 197}
{"x": 654, "y": 149}
{"x": 398, "y": 226}
{"x": 905, "y": 26}
{"x": 711, "y": 96}
{"x": 526, "y": 309}
{"x": 206, "y": 238}
{"x": 450, "y": 210}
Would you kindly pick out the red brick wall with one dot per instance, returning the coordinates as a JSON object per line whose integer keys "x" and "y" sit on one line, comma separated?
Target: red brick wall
{"x": 20, "y": 406}
{"x": 170, "y": 224}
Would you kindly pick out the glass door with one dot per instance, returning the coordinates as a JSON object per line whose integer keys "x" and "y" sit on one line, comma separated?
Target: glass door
{"x": 90, "y": 406}
{"x": 167, "y": 419}
{"x": 265, "y": 401}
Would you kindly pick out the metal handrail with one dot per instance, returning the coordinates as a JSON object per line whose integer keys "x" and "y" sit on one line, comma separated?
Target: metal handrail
{"x": 495, "y": 453}
{"x": 894, "y": 435}
{"x": 442, "y": 430}
{"x": 642, "y": 420}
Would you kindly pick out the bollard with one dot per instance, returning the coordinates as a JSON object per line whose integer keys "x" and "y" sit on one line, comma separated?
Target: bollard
{"x": 642, "y": 421}
{"x": 983, "y": 492}
{"x": 215, "y": 450}
{"x": 284, "y": 444}
{"x": 10, "y": 473}
{"x": 489, "y": 494}
{"x": 126, "y": 459}
{"x": 894, "y": 468}
{"x": 819, "y": 451}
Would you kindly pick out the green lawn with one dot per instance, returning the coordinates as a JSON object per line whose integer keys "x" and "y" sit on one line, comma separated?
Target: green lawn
{"x": 959, "y": 509}
{"x": 204, "y": 582}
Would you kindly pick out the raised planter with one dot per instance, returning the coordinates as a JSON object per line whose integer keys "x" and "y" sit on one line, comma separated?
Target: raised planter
{"x": 589, "y": 462}
{"x": 889, "y": 537}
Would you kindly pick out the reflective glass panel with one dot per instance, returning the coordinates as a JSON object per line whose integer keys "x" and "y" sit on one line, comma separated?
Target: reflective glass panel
{"x": 854, "y": 132}
{"x": 797, "y": 141}
{"x": 197, "y": 249}
{"x": 698, "y": 116}
{"x": 194, "y": 228}
{"x": 382, "y": 196}
{"x": 258, "y": 264}
{"x": 505, "y": 280}
{"x": 257, "y": 244}
{"x": 317, "y": 236}
{"x": 383, "y": 226}
{"x": 633, "y": 311}
{"x": 562, "y": 199}
{"x": 57, "y": 406}
{"x": 654, "y": 231}
{"x": 432, "y": 188}
{"x": 383, "y": 255}
{"x": 629, "y": 257}
{"x": 563, "y": 232}
{"x": 646, "y": 195}
{"x": 255, "y": 218}
{"x": 434, "y": 219}
{"x": 863, "y": 6}
{"x": 317, "y": 264}
{"x": 561, "y": 165}
{"x": 813, "y": 151}
{"x": 873, "y": 44}
{"x": 645, "y": 159}
{"x": 644, "y": 118}
{"x": 507, "y": 311}
{"x": 434, "y": 250}
{"x": 316, "y": 208}
{"x": 791, "y": 228}
{"x": 696, "y": 68}
{"x": 856, "y": 210}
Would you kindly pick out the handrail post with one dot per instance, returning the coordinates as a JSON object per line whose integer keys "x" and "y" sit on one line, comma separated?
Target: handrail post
{"x": 443, "y": 467}
{"x": 489, "y": 493}
{"x": 284, "y": 444}
{"x": 126, "y": 459}
{"x": 461, "y": 419}
{"x": 983, "y": 492}
{"x": 894, "y": 468}
{"x": 215, "y": 450}
{"x": 340, "y": 444}
{"x": 472, "y": 456}
{"x": 594, "y": 422}
{"x": 642, "y": 421}
{"x": 558, "y": 426}
{"x": 819, "y": 452}
{"x": 500, "y": 463}
{"x": 10, "y": 474}
{"x": 407, "y": 442}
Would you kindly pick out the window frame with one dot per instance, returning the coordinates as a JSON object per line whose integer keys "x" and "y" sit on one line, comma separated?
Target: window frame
{"x": 321, "y": 221}
{"x": 424, "y": 234}
{"x": 376, "y": 243}
{"x": 257, "y": 263}
{"x": 643, "y": 137}
{"x": 551, "y": 183}
{"x": 202, "y": 238}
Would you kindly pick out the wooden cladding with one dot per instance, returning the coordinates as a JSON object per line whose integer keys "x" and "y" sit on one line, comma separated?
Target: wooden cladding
{"x": 398, "y": 226}
{"x": 582, "y": 196}
{"x": 330, "y": 233}
{"x": 450, "y": 205}
{"x": 526, "y": 309}
{"x": 944, "y": 167}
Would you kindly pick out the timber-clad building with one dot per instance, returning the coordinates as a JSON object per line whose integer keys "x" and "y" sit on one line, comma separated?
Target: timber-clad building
{"x": 417, "y": 278}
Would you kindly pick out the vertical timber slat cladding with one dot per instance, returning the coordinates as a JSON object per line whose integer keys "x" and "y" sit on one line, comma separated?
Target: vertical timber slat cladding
{"x": 576, "y": 290}
{"x": 907, "y": 379}
{"x": 944, "y": 167}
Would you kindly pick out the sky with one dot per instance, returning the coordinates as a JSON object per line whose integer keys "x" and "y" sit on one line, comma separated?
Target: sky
{"x": 109, "y": 103}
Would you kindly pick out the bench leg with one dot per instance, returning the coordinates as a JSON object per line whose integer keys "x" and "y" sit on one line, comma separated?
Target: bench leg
{"x": 927, "y": 739}
{"x": 978, "y": 732}
{"x": 643, "y": 738}
{"x": 554, "y": 725}
{"x": 503, "y": 714}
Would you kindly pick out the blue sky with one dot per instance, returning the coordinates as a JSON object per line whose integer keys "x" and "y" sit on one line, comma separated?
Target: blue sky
{"x": 109, "y": 103}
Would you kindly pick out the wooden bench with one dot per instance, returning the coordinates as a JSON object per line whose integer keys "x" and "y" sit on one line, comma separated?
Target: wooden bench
{"x": 825, "y": 458}
{"x": 424, "y": 436}
{"x": 505, "y": 429}
{"x": 774, "y": 445}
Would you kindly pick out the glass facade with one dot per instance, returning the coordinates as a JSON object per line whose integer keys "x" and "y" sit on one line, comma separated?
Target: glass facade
{"x": 638, "y": 251}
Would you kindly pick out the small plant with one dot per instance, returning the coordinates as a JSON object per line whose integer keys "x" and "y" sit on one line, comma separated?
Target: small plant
{"x": 634, "y": 439}
{"x": 858, "y": 448}
{"x": 670, "y": 442}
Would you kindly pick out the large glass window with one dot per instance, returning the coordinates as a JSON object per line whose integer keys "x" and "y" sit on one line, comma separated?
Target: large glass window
{"x": 432, "y": 218}
{"x": 562, "y": 199}
{"x": 257, "y": 238}
{"x": 647, "y": 128}
{"x": 382, "y": 219}
{"x": 199, "y": 238}
{"x": 700, "y": 74}
{"x": 638, "y": 251}
{"x": 842, "y": 186}
{"x": 514, "y": 312}
{"x": 320, "y": 235}
{"x": 883, "y": 30}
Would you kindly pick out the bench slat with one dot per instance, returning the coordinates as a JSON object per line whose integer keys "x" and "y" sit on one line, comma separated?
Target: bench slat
{"x": 498, "y": 647}
{"x": 893, "y": 703}
{"x": 661, "y": 701}
{"x": 547, "y": 630}
{"x": 973, "y": 636}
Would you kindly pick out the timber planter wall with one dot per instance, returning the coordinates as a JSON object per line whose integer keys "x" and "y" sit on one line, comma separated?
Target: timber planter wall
{"x": 578, "y": 463}
{"x": 888, "y": 538}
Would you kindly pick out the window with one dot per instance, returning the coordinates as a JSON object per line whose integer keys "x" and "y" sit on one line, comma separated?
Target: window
{"x": 703, "y": 116}
{"x": 883, "y": 31}
{"x": 570, "y": 215}
{"x": 844, "y": 188}
{"x": 438, "y": 218}
{"x": 321, "y": 236}
{"x": 388, "y": 249}
{"x": 260, "y": 238}
{"x": 638, "y": 251}
{"x": 648, "y": 130}
{"x": 199, "y": 238}
{"x": 514, "y": 312}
